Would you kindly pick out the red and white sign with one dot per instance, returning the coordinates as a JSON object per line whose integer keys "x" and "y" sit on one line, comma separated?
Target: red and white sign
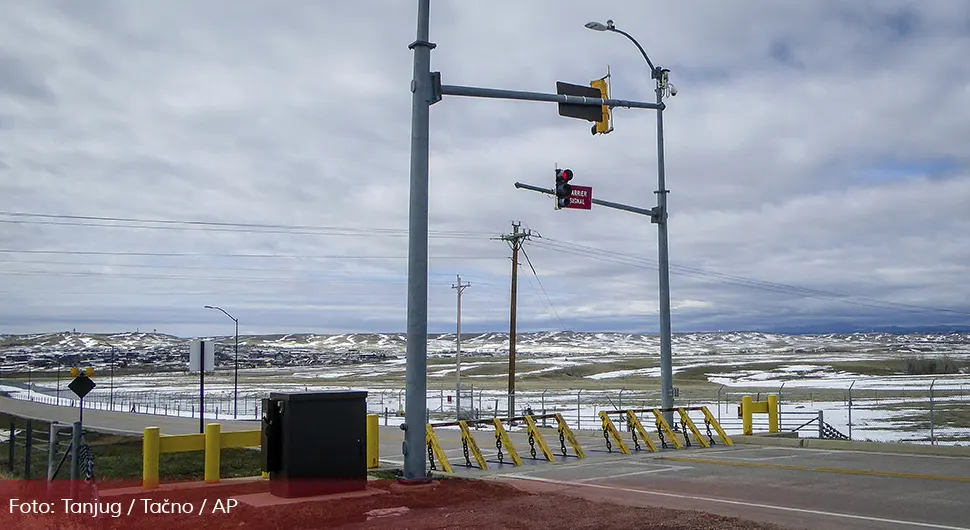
{"x": 581, "y": 198}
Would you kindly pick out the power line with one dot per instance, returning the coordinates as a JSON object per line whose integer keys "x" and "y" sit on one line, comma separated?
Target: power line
{"x": 551, "y": 306}
{"x": 174, "y": 224}
{"x": 207, "y": 267}
{"x": 636, "y": 261}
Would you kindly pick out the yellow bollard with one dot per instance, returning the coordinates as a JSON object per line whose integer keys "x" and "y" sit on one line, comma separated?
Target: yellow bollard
{"x": 149, "y": 458}
{"x": 746, "y": 412}
{"x": 373, "y": 441}
{"x": 213, "y": 449}
{"x": 772, "y": 413}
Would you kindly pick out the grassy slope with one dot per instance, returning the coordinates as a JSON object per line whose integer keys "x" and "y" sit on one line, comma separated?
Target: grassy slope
{"x": 120, "y": 457}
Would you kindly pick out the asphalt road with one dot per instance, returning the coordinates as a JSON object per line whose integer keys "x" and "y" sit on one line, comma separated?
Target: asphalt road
{"x": 793, "y": 487}
{"x": 116, "y": 422}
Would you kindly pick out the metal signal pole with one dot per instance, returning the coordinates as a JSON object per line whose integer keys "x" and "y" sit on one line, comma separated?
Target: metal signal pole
{"x": 460, "y": 288}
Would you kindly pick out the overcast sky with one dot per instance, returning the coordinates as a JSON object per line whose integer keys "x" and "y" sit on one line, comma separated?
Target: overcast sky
{"x": 816, "y": 145}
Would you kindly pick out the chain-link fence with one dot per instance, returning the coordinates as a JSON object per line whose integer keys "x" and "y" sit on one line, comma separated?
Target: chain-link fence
{"x": 893, "y": 409}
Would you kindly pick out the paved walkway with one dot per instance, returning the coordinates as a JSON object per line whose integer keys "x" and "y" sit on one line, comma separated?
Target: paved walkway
{"x": 126, "y": 423}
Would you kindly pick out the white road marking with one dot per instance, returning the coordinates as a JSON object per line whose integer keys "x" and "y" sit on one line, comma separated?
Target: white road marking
{"x": 739, "y": 503}
{"x": 763, "y": 458}
{"x": 660, "y": 469}
{"x": 556, "y": 467}
{"x": 881, "y": 453}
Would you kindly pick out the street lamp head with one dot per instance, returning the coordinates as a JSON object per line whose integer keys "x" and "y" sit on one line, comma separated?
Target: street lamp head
{"x": 597, "y": 26}
{"x": 208, "y": 307}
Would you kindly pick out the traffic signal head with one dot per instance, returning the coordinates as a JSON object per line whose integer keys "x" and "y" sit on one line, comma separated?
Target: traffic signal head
{"x": 604, "y": 125}
{"x": 563, "y": 188}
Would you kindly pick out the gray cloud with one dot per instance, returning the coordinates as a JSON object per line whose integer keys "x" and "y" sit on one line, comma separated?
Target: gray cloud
{"x": 816, "y": 144}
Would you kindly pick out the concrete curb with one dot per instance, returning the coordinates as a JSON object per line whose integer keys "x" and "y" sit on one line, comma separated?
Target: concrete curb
{"x": 848, "y": 445}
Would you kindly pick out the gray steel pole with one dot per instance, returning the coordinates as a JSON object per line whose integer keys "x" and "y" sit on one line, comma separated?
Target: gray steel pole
{"x": 666, "y": 369}
{"x": 458, "y": 356}
{"x": 75, "y": 458}
{"x": 666, "y": 362}
{"x": 416, "y": 382}
{"x": 235, "y": 383}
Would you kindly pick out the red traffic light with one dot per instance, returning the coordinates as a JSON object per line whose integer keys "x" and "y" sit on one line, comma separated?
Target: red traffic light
{"x": 567, "y": 175}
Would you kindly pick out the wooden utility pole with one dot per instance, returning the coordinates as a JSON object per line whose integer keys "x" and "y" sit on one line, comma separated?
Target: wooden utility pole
{"x": 515, "y": 240}
{"x": 460, "y": 287}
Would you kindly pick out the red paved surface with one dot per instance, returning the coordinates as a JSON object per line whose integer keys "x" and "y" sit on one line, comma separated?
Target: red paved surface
{"x": 450, "y": 503}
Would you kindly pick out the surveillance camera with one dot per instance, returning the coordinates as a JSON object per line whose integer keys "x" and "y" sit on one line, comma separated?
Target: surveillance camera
{"x": 673, "y": 90}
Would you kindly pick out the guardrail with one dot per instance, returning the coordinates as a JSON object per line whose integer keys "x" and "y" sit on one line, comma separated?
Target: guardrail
{"x": 213, "y": 441}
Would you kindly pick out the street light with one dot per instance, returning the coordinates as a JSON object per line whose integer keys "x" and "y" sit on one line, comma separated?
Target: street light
{"x": 235, "y": 384}
{"x": 111, "y": 393}
{"x": 663, "y": 88}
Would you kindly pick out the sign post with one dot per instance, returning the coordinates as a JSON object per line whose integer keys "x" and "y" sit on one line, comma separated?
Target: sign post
{"x": 202, "y": 359}
{"x": 81, "y": 385}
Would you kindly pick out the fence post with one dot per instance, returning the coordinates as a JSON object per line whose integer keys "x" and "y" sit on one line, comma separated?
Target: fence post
{"x": 850, "y": 409}
{"x": 719, "y": 403}
{"x": 11, "y": 439}
{"x": 28, "y": 447}
{"x": 821, "y": 424}
{"x": 213, "y": 448}
{"x": 579, "y": 412}
{"x": 932, "y": 426}
{"x": 51, "y": 451}
{"x": 543, "y": 400}
{"x": 149, "y": 452}
{"x": 780, "y": 399}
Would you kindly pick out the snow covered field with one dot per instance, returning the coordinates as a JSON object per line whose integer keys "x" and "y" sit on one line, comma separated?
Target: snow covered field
{"x": 576, "y": 373}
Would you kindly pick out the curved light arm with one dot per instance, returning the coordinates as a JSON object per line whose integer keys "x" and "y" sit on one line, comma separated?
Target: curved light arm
{"x": 223, "y": 310}
{"x": 634, "y": 41}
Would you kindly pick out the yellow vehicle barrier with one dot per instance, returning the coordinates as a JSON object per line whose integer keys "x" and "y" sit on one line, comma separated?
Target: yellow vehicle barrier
{"x": 373, "y": 441}
{"x": 610, "y": 430}
{"x": 503, "y": 441}
{"x": 749, "y": 408}
{"x": 535, "y": 438}
{"x": 565, "y": 433}
{"x": 468, "y": 444}
{"x": 686, "y": 423}
{"x": 637, "y": 428}
{"x": 665, "y": 432}
{"x": 709, "y": 421}
{"x": 663, "y": 428}
{"x": 212, "y": 442}
{"x": 435, "y": 450}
